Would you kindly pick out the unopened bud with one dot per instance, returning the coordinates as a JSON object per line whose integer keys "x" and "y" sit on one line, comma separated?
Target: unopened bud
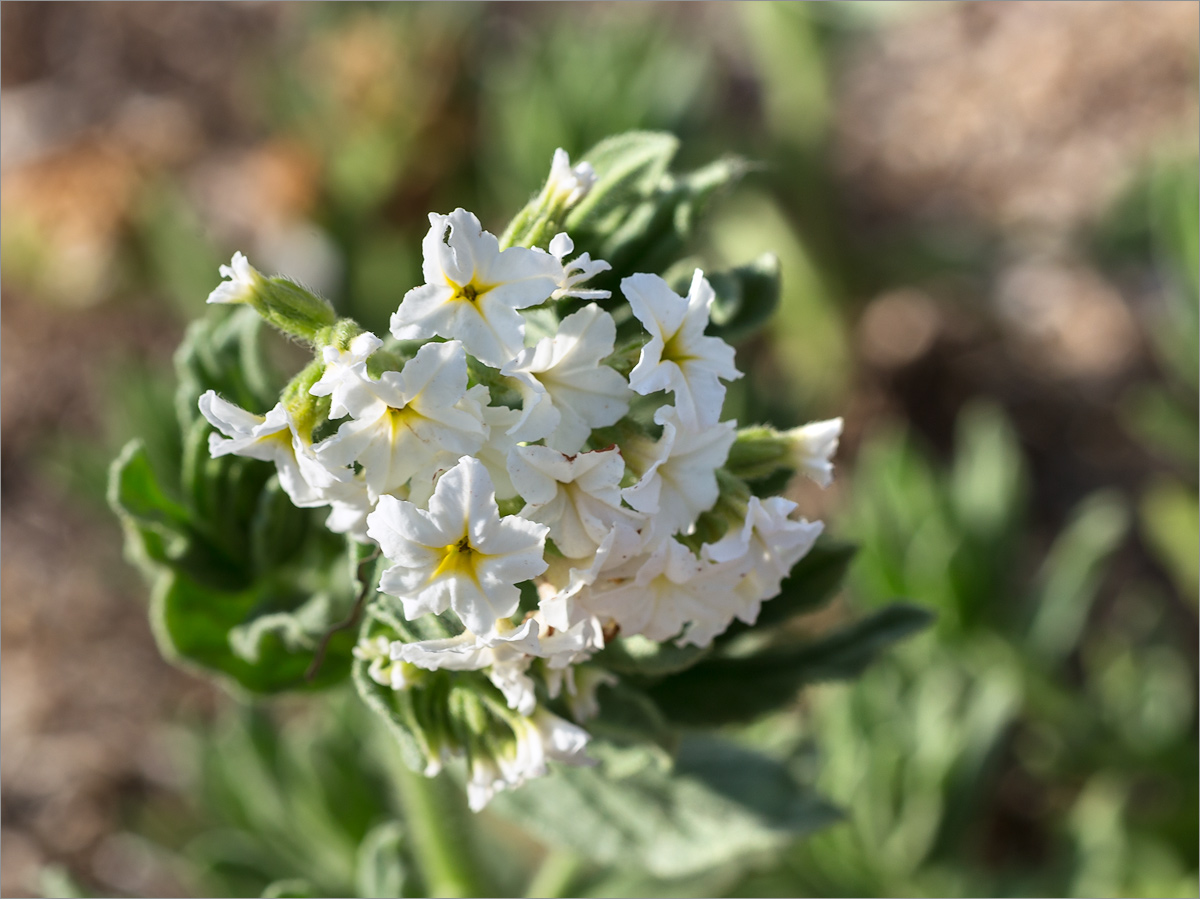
{"x": 539, "y": 221}
{"x": 286, "y": 305}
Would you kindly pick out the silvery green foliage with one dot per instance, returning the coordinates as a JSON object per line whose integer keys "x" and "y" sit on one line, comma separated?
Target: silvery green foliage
{"x": 519, "y": 520}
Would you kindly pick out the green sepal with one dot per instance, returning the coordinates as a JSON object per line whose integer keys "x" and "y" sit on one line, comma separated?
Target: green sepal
{"x": 294, "y": 310}
{"x": 728, "y": 690}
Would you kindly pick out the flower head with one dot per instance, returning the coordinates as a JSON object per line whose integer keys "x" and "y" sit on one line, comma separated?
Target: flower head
{"x": 345, "y": 378}
{"x": 407, "y": 421}
{"x": 567, "y": 185}
{"x": 578, "y": 496}
{"x": 460, "y": 554}
{"x": 762, "y": 552}
{"x": 679, "y": 357}
{"x": 566, "y": 390}
{"x": 473, "y": 290}
{"x": 678, "y": 474}
{"x": 272, "y": 438}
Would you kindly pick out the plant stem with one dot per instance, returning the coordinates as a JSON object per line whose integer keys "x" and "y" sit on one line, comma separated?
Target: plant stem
{"x": 555, "y": 875}
{"x": 434, "y": 811}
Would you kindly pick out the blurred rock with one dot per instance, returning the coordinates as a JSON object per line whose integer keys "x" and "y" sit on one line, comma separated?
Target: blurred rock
{"x": 1067, "y": 320}
{"x": 898, "y": 328}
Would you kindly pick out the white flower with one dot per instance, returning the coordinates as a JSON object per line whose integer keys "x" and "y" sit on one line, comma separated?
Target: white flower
{"x": 506, "y": 652}
{"x": 763, "y": 551}
{"x": 577, "y": 496}
{"x": 657, "y": 595}
{"x": 472, "y": 290}
{"x": 564, "y": 579}
{"x": 459, "y": 554}
{"x": 409, "y": 419}
{"x": 243, "y": 281}
{"x": 678, "y": 474}
{"x": 576, "y": 272}
{"x": 345, "y": 378}
{"x": 565, "y": 184}
{"x": 382, "y": 668}
{"x": 679, "y": 357}
{"x": 501, "y": 422}
{"x": 350, "y": 503}
{"x": 539, "y": 738}
{"x": 271, "y": 438}
{"x": 566, "y": 391}
{"x": 813, "y": 446}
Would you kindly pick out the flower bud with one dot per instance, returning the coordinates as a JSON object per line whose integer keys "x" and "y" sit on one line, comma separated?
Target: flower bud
{"x": 286, "y": 305}
{"x": 534, "y": 225}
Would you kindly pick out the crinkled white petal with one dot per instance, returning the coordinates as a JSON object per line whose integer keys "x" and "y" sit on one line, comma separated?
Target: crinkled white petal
{"x": 813, "y": 447}
{"x": 459, "y": 553}
{"x": 473, "y": 289}
{"x": 571, "y": 380}
{"x": 345, "y": 380}
{"x": 417, "y": 419}
{"x": 568, "y": 184}
{"x": 679, "y": 357}
{"x": 656, "y": 595}
{"x": 271, "y": 438}
{"x": 243, "y": 281}
{"x": 678, "y": 480}
{"x": 577, "y": 272}
{"x": 577, "y": 496}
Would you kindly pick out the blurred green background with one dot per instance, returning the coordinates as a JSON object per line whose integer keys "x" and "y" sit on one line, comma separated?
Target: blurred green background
{"x": 986, "y": 216}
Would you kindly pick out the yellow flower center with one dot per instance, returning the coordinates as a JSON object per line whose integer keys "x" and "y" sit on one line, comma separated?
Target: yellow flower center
{"x": 402, "y": 418}
{"x": 458, "y": 560}
{"x": 469, "y": 293}
{"x": 673, "y": 350}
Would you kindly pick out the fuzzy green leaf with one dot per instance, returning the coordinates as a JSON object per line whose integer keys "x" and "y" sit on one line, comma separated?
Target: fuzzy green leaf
{"x": 747, "y": 296}
{"x": 726, "y": 690}
{"x": 720, "y": 804}
{"x": 380, "y": 864}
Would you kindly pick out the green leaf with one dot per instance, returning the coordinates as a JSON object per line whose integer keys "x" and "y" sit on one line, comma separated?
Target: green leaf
{"x": 720, "y": 804}
{"x": 277, "y": 530}
{"x": 222, "y": 352}
{"x": 381, "y": 870}
{"x": 747, "y": 296}
{"x": 292, "y": 888}
{"x": 727, "y": 690}
{"x": 628, "y": 168}
{"x": 638, "y": 217}
{"x": 629, "y": 717}
{"x": 195, "y": 626}
{"x": 648, "y": 658}
{"x": 1072, "y": 573}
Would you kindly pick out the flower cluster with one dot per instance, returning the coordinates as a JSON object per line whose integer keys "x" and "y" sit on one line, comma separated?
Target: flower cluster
{"x": 529, "y": 474}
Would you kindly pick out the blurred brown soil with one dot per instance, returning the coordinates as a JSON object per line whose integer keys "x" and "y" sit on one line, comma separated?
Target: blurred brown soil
{"x": 84, "y": 686}
{"x": 1021, "y": 113}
